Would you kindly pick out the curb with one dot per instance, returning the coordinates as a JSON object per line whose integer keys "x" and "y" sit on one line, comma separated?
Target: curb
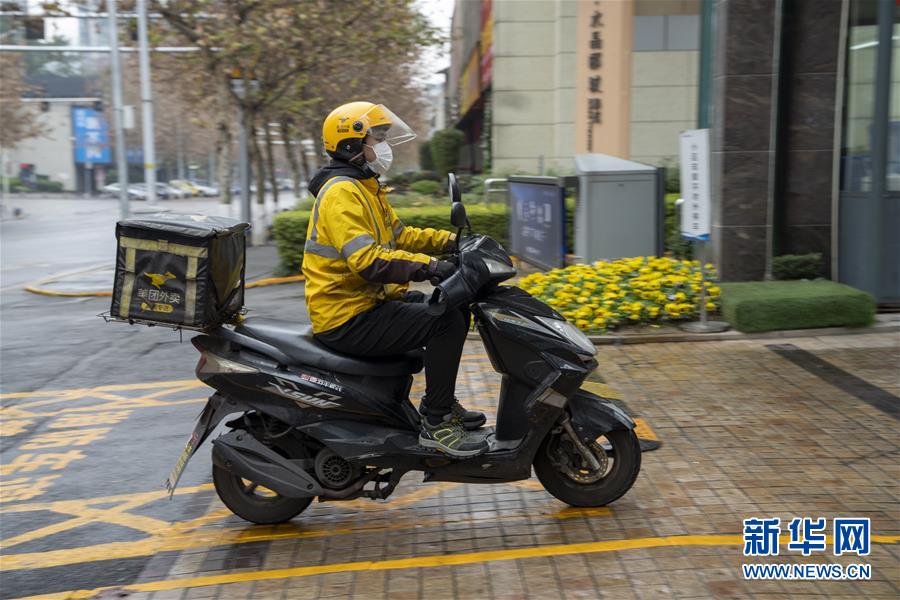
{"x": 665, "y": 338}
{"x": 35, "y": 287}
{"x": 273, "y": 281}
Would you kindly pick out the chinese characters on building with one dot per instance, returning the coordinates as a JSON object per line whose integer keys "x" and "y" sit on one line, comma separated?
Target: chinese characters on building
{"x": 595, "y": 77}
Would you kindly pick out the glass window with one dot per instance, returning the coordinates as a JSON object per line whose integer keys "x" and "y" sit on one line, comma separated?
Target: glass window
{"x": 683, "y": 32}
{"x": 649, "y": 33}
{"x": 893, "y": 150}
{"x": 859, "y": 97}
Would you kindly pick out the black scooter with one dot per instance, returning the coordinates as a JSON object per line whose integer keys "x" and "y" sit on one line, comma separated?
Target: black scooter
{"x": 314, "y": 423}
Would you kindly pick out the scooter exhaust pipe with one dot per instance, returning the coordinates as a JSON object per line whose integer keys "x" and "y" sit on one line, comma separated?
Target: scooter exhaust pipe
{"x": 245, "y": 456}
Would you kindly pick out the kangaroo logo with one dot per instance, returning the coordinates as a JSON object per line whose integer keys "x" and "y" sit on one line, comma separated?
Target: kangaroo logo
{"x": 159, "y": 280}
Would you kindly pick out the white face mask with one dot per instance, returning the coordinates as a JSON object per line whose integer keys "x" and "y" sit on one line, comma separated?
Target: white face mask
{"x": 384, "y": 156}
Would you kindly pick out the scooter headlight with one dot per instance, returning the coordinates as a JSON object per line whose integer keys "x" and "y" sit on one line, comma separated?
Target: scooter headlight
{"x": 496, "y": 267}
{"x": 570, "y": 333}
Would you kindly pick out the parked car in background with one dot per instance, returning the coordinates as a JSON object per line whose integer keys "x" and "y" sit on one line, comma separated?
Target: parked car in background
{"x": 205, "y": 189}
{"x": 184, "y": 185}
{"x": 170, "y": 191}
{"x": 137, "y": 191}
{"x": 110, "y": 189}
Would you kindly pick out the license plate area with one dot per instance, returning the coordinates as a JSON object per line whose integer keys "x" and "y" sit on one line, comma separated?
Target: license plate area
{"x": 208, "y": 420}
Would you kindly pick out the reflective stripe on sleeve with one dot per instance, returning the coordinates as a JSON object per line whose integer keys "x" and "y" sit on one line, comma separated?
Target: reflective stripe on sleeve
{"x": 322, "y": 250}
{"x": 357, "y": 243}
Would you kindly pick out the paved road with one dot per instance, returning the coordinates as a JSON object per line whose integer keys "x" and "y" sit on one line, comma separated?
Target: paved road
{"x": 51, "y": 343}
{"x": 94, "y": 415}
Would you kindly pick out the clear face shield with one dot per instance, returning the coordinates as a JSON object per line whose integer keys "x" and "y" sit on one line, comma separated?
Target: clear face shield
{"x": 385, "y": 129}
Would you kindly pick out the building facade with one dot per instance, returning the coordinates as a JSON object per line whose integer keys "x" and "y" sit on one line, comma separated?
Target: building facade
{"x": 806, "y": 139}
{"x": 802, "y": 100}
{"x": 524, "y": 75}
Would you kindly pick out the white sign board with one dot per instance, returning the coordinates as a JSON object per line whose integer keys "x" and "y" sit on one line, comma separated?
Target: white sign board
{"x": 127, "y": 117}
{"x": 695, "y": 211}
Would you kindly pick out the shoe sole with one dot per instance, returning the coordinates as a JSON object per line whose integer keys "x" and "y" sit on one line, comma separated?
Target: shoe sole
{"x": 457, "y": 453}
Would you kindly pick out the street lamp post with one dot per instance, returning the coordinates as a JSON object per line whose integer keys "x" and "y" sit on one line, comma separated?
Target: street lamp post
{"x": 237, "y": 84}
{"x": 147, "y": 105}
{"x": 116, "y": 66}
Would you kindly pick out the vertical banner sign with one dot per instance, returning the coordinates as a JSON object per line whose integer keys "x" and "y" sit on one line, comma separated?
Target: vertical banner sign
{"x": 603, "y": 77}
{"x": 470, "y": 83}
{"x": 695, "y": 211}
{"x": 91, "y": 136}
{"x": 487, "y": 42}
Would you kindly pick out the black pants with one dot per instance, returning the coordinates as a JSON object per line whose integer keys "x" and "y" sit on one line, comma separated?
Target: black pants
{"x": 396, "y": 327}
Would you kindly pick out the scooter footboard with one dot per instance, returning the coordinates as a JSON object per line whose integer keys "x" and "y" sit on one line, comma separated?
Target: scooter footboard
{"x": 592, "y": 416}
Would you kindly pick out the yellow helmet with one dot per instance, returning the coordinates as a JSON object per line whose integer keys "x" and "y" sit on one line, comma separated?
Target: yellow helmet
{"x": 347, "y": 126}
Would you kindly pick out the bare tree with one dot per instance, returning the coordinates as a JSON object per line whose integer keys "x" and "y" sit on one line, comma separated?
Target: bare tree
{"x": 18, "y": 120}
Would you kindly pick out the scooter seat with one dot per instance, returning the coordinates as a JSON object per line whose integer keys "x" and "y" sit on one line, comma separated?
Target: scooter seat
{"x": 297, "y": 342}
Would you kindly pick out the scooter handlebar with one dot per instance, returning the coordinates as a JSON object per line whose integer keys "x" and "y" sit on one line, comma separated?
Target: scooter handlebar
{"x": 460, "y": 287}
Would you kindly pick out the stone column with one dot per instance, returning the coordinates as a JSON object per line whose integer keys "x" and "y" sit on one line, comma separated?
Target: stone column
{"x": 806, "y": 148}
{"x": 742, "y": 153}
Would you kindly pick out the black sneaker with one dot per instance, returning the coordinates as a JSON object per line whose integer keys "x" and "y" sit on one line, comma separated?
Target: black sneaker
{"x": 471, "y": 419}
{"x": 450, "y": 437}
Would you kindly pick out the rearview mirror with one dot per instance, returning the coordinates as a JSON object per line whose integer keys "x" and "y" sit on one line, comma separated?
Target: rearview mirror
{"x": 453, "y": 186}
{"x": 458, "y": 215}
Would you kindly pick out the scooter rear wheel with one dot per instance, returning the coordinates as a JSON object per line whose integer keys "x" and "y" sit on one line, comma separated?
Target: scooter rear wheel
{"x": 254, "y": 503}
{"x": 563, "y": 471}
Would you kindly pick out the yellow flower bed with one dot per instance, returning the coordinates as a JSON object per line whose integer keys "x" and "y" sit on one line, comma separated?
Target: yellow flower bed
{"x": 628, "y": 291}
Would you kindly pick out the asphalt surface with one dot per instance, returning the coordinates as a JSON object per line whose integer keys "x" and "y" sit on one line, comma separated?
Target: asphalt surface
{"x": 53, "y": 343}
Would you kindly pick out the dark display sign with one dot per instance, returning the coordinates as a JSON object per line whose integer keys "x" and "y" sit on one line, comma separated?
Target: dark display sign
{"x": 537, "y": 221}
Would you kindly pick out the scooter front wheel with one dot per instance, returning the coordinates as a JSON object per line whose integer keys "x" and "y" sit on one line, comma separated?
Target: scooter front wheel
{"x": 252, "y": 502}
{"x": 564, "y": 472}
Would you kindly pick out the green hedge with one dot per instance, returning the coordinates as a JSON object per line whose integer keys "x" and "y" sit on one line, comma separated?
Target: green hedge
{"x": 776, "y": 305}
{"x": 673, "y": 242}
{"x": 425, "y": 187}
{"x": 289, "y": 228}
{"x": 798, "y": 266}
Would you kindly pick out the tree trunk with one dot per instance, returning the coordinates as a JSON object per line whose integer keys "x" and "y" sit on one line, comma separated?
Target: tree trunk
{"x": 256, "y": 159}
{"x": 270, "y": 165}
{"x": 307, "y": 166}
{"x": 223, "y": 161}
{"x": 290, "y": 152}
{"x": 224, "y": 145}
{"x": 320, "y": 151}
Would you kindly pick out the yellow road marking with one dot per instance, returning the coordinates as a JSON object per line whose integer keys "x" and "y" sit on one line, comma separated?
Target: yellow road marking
{"x": 644, "y": 431}
{"x": 45, "y": 292}
{"x": 601, "y": 389}
{"x": 410, "y": 498}
{"x": 35, "y": 288}
{"x": 65, "y": 394}
{"x": 274, "y": 281}
{"x": 433, "y": 561}
{"x": 181, "y": 535}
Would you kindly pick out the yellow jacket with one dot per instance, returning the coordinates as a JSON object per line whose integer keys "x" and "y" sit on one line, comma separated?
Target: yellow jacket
{"x": 358, "y": 253}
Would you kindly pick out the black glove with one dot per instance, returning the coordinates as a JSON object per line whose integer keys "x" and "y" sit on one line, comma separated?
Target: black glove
{"x": 414, "y": 296}
{"x": 441, "y": 270}
{"x": 452, "y": 245}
